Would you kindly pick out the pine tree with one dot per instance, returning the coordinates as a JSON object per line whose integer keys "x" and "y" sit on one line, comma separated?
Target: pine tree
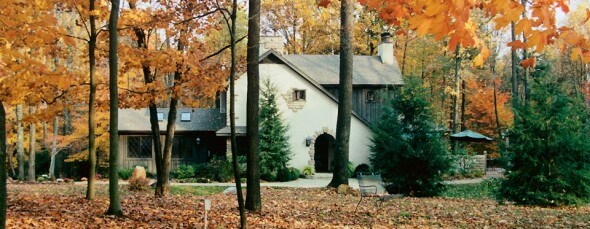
{"x": 406, "y": 148}
{"x": 275, "y": 151}
{"x": 549, "y": 151}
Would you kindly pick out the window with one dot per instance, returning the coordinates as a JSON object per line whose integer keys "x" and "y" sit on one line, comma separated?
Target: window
{"x": 298, "y": 94}
{"x": 185, "y": 116}
{"x": 160, "y": 116}
{"x": 182, "y": 147}
{"x": 139, "y": 147}
{"x": 370, "y": 96}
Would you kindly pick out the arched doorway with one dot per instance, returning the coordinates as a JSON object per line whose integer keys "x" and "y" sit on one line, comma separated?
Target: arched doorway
{"x": 324, "y": 152}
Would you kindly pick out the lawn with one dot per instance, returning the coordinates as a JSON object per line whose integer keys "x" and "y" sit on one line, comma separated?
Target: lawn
{"x": 63, "y": 206}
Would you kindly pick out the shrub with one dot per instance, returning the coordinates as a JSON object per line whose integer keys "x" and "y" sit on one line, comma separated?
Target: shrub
{"x": 125, "y": 173}
{"x": 350, "y": 169}
{"x": 184, "y": 171}
{"x": 216, "y": 169}
{"x": 361, "y": 168}
{"x": 268, "y": 176}
{"x": 288, "y": 174}
{"x": 308, "y": 170}
{"x": 407, "y": 150}
{"x": 138, "y": 184}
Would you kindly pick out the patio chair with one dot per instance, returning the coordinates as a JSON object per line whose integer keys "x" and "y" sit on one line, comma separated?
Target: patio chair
{"x": 371, "y": 185}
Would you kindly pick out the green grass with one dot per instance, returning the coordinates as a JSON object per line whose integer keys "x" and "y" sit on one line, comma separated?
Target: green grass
{"x": 483, "y": 190}
{"x": 196, "y": 190}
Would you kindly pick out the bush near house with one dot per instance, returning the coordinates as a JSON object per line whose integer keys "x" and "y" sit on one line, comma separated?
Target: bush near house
{"x": 125, "y": 173}
{"x": 218, "y": 169}
{"x": 407, "y": 150}
{"x": 549, "y": 152}
{"x": 275, "y": 151}
{"x": 183, "y": 172}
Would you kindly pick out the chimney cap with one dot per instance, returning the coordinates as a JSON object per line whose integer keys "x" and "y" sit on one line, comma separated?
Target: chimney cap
{"x": 386, "y": 37}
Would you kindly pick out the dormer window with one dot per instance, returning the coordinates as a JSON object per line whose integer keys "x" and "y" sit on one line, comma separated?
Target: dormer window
{"x": 370, "y": 96}
{"x": 298, "y": 94}
{"x": 160, "y": 116}
{"x": 185, "y": 116}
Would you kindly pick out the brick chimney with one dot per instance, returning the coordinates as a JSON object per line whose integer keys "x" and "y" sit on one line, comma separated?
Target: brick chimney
{"x": 385, "y": 48}
{"x": 272, "y": 42}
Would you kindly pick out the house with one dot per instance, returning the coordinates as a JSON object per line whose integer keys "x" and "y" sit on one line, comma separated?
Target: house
{"x": 308, "y": 88}
{"x": 195, "y": 140}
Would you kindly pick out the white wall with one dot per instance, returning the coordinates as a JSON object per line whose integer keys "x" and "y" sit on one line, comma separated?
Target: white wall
{"x": 318, "y": 115}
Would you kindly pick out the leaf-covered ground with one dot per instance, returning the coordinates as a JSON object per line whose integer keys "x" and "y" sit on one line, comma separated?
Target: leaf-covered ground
{"x": 64, "y": 206}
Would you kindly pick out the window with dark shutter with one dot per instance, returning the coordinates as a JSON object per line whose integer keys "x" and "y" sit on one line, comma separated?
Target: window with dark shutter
{"x": 139, "y": 147}
{"x": 298, "y": 94}
{"x": 182, "y": 147}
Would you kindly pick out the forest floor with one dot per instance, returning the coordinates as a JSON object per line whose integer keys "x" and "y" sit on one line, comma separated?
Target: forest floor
{"x": 64, "y": 206}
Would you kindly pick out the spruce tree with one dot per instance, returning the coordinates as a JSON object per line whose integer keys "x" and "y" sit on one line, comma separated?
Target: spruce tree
{"x": 406, "y": 148}
{"x": 275, "y": 151}
{"x": 549, "y": 151}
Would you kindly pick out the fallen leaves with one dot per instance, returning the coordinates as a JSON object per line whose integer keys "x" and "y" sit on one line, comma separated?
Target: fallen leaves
{"x": 63, "y": 206}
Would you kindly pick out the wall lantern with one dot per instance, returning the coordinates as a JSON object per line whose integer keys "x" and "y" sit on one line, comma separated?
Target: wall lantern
{"x": 198, "y": 141}
{"x": 308, "y": 141}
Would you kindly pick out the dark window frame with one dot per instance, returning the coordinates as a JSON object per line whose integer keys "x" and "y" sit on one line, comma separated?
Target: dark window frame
{"x": 299, "y": 95}
{"x": 182, "y": 141}
{"x": 139, "y": 147}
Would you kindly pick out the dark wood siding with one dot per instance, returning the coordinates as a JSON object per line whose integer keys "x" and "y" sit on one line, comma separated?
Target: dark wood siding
{"x": 370, "y": 111}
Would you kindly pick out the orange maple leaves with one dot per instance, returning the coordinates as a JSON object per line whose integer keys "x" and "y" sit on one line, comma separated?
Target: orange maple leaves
{"x": 451, "y": 19}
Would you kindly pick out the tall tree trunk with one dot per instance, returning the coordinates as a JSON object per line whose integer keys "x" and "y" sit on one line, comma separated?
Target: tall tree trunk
{"x": 232, "y": 115}
{"x": 20, "y": 142}
{"x": 525, "y": 56}
{"x": 455, "y": 111}
{"x": 253, "y": 199}
{"x": 44, "y": 135}
{"x": 498, "y": 127}
{"x": 155, "y": 127}
{"x": 114, "y": 201}
{"x": 340, "y": 175}
{"x": 32, "y": 146}
{"x": 514, "y": 68}
{"x": 463, "y": 103}
{"x": 53, "y": 148}
{"x": 91, "y": 108}
{"x": 67, "y": 128}
{"x": 2, "y": 166}
{"x": 404, "y": 56}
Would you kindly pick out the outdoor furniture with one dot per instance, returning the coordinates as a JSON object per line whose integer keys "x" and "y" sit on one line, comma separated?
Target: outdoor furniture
{"x": 371, "y": 185}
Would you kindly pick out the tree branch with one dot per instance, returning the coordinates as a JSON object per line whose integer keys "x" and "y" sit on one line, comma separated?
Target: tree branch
{"x": 222, "y": 49}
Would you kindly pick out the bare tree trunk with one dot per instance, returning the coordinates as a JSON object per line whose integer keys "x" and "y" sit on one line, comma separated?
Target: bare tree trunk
{"x": 44, "y": 135}
{"x": 32, "y": 146}
{"x": 114, "y": 200}
{"x": 91, "y": 108}
{"x": 498, "y": 127}
{"x": 340, "y": 175}
{"x": 20, "y": 142}
{"x": 514, "y": 68}
{"x": 253, "y": 199}
{"x": 53, "y": 148}
{"x": 232, "y": 115}
{"x": 2, "y": 166}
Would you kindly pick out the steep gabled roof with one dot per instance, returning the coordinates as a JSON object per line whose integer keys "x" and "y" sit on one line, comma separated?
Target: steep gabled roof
{"x": 367, "y": 70}
{"x": 274, "y": 57}
{"x": 201, "y": 119}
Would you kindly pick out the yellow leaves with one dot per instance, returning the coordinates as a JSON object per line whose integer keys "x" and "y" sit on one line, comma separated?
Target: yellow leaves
{"x": 587, "y": 16}
{"x": 479, "y": 60}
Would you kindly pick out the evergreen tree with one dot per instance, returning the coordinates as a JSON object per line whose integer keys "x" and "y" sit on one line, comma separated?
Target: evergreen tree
{"x": 406, "y": 148}
{"x": 275, "y": 151}
{"x": 549, "y": 151}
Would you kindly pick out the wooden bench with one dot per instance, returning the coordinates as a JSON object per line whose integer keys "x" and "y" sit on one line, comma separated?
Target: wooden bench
{"x": 371, "y": 185}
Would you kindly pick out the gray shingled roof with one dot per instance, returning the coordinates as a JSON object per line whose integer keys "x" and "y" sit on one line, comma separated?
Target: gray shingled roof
{"x": 131, "y": 120}
{"x": 368, "y": 70}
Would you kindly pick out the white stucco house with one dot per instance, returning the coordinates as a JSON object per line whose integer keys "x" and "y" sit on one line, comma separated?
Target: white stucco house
{"x": 308, "y": 88}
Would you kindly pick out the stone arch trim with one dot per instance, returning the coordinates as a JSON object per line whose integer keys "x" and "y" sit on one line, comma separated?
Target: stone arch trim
{"x": 324, "y": 130}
